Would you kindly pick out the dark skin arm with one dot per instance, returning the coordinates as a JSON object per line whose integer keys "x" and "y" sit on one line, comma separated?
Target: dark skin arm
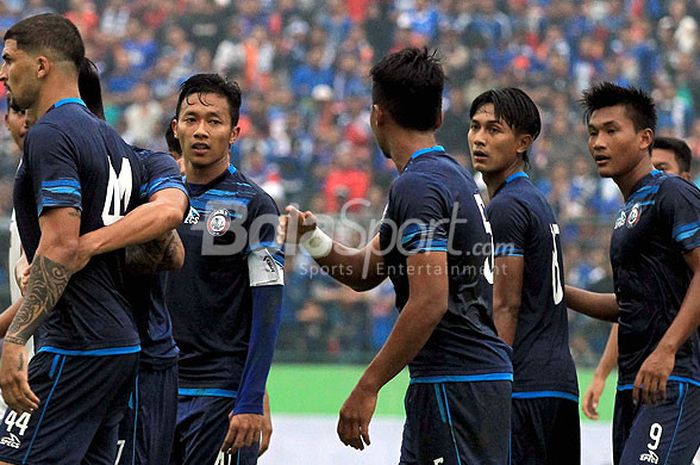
{"x": 650, "y": 383}
{"x": 427, "y": 304}
{"x": 608, "y": 361}
{"x": 360, "y": 269}
{"x": 507, "y": 296}
{"x": 54, "y": 263}
{"x": 594, "y": 304}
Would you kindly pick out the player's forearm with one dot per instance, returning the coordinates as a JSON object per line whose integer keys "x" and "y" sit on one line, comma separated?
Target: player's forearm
{"x": 593, "y": 304}
{"x": 413, "y": 328}
{"x": 47, "y": 282}
{"x": 267, "y": 308}
{"x": 687, "y": 320}
{"x": 352, "y": 267}
{"x": 165, "y": 253}
{"x": 609, "y": 359}
{"x": 145, "y": 223}
{"x": 505, "y": 318}
{"x": 8, "y": 315}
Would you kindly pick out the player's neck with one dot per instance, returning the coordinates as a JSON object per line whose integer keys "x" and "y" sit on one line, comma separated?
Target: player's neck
{"x": 51, "y": 93}
{"x": 495, "y": 180}
{"x": 404, "y": 143}
{"x": 205, "y": 174}
{"x": 628, "y": 180}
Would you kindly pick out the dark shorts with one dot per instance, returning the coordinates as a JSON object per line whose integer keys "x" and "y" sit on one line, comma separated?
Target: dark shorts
{"x": 546, "y": 431}
{"x": 457, "y": 423}
{"x": 83, "y": 399}
{"x": 202, "y": 423}
{"x": 665, "y": 433}
{"x": 148, "y": 428}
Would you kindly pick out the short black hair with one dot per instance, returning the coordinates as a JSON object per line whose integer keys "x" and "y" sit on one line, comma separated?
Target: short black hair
{"x": 171, "y": 140}
{"x": 513, "y": 106}
{"x": 639, "y": 106}
{"x": 409, "y": 84}
{"x": 91, "y": 88}
{"x": 212, "y": 84}
{"x": 49, "y": 32}
{"x": 680, "y": 150}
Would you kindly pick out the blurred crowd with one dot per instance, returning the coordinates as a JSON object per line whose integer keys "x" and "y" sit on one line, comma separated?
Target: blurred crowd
{"x": 305, "y": 135}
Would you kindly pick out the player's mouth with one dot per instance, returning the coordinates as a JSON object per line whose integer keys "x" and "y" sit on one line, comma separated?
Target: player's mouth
{"x": 601, "y": 160}
{"x": 200, "y": 148}
{"x": 479, "y": 156}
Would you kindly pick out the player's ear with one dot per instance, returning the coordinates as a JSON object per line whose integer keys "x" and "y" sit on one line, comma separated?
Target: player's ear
{"x": 377, "y": 114}
{"x": 524, "y": 143}
{"x": 43, "y": 66}
{"x": 235, "y": 132}
{"x": 173, "y": 125}
{"x": 646, "y": 139}
{"x": 438, "y": 120}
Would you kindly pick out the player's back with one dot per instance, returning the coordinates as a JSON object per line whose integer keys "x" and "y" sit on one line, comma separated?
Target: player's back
{"x": 73, "y": 159}
{"x": 435, "y": 205}
{"x": 524, "y": 225}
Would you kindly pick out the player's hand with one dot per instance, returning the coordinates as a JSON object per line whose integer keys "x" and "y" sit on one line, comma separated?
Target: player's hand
{"x": 266, "y": 427}
{"x": 297, "y": 224}
{"x": 14, "y": 379}
{"x": 650, "y": 383}
{"x": 355, "y": 415}
{"x": 591, "y": 397}
{"x": 86, "y": 250}
{"x": 243, "y": 431}
{"x": 22, "y": 272}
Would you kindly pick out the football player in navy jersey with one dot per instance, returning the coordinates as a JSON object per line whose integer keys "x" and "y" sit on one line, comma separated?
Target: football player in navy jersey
{"x": 529, "y": 308}
{"x": 434, "y": 244}
{"x": 655, "y": 260}
{"x": 77, "y": 175}
{"x": 226, "y": 300}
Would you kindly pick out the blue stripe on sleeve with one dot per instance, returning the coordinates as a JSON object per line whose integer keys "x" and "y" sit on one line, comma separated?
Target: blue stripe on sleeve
{"x": 61, "y": 183}
{"x": 687, "y": 234}
{"x": 685, "y": 227}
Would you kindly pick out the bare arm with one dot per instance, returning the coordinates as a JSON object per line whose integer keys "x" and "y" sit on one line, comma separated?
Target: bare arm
{"x": 360, "y": 269}
{"x": 507, "y": 296}
{"x": 427, "y": 303}
{"x": 8, "y": 315}
{"x": 163, "y": 213}
{"x": 607, "y": 362}
{"x": 593, "y": 304}
{"x": 165, "y": 253}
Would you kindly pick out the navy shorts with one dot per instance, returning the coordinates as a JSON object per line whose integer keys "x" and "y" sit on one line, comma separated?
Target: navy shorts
{"x": 148, "y": 428}
{"x": 665, "y": 433}
{"x": 546, "y": 431}
{"x": 457, "y": 422}
{"x": 83, "y": 399}
{"x": 202, "y": 423}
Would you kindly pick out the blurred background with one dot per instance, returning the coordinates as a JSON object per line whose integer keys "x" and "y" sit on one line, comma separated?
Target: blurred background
{"x": 303, "y": 65}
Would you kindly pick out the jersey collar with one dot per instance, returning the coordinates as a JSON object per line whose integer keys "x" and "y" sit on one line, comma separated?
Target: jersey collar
{"x": 434, "y": 148}
{"x": 66, "y": 101}
{"x": 514, "y": 176}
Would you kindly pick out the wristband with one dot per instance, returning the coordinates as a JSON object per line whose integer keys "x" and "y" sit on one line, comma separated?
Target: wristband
{"x": 318, "y": 244}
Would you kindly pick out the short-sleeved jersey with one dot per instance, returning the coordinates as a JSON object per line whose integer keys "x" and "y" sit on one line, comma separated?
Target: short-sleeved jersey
{"x": 658, "y": 224}
{"x": 210, "y": 298}
{"x": 73, "y": 159}
{"x": 434, "y": 206}
{"x": 524, "y": 226}
{"x": 146, "y": 292}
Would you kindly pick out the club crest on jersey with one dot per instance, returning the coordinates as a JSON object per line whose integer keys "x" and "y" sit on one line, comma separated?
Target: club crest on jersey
{"x": 218, "y": 222}
{"x": 192, "y": 216}
{"x": 633, "y": 217}
{"x": 620, "y": 221}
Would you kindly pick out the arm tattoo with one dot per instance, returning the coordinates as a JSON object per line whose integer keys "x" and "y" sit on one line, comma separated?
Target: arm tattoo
{"x": 47, "y": 282}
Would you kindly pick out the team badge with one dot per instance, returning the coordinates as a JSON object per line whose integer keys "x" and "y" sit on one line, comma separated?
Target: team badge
{"x": 218, "y": 222}
{"x": 620, "y": 221}
{"x": 192, "y": 216}
{"x": 633, "y": 217}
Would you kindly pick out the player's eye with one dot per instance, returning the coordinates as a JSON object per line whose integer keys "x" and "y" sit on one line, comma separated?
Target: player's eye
{"x": 611, "y": 131}
{"x": 494, "y": 130}
{"x": 214, "y": 122}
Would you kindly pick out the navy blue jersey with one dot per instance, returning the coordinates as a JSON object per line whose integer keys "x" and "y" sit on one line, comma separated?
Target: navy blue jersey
{"x": 524, "y": 226}
{"x": 73, "y": 159}
{"x": 434, "y": 205}
{"x": 659, "y": 222}
{"x": 146, "y": 292}
{"x": 210, "y": 299}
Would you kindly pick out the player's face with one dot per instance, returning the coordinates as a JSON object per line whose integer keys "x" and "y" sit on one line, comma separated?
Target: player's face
{"x": 493, "y": 145}
{"x": 18, "y": 124}
{"x": 614, "y": 143}
{"x": 204, "y": 129}
{"x": 19, "y": 74}
{"x": 665, "y": 160}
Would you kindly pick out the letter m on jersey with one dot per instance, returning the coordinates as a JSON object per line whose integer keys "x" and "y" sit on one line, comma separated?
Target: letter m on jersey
{"x": 118, "y": 193}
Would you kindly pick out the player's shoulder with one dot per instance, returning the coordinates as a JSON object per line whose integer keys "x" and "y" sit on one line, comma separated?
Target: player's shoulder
{"x": 670, "y": 184}
{"x": 250, "y": 189}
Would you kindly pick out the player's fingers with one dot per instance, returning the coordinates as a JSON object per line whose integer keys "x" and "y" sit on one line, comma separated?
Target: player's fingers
{"x": 265, "y": 441}
{"x": 364, "y": 433}
{"x": 31, "y": 398}
{"x": 228, "y": 440}
{"x": 344, "y": 431}
{"x": 252, "y": 436}
{"x": 662, "y": 389}
{"x": 648, "y": 390}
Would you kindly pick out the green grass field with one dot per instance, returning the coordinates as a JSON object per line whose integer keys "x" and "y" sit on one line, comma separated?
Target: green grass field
{"x": 321, "y": 390}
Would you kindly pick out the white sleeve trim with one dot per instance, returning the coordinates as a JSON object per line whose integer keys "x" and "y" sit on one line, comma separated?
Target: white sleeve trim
{"x": 263, "y": 270}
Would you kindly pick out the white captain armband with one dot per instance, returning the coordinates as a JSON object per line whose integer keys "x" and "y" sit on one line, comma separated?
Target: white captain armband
{"x": 263, "y": 270}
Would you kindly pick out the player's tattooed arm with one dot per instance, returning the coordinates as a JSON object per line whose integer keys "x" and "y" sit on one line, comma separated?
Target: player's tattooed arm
{"x": 165, "y": 253}
{"x": 47, "y": 281}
